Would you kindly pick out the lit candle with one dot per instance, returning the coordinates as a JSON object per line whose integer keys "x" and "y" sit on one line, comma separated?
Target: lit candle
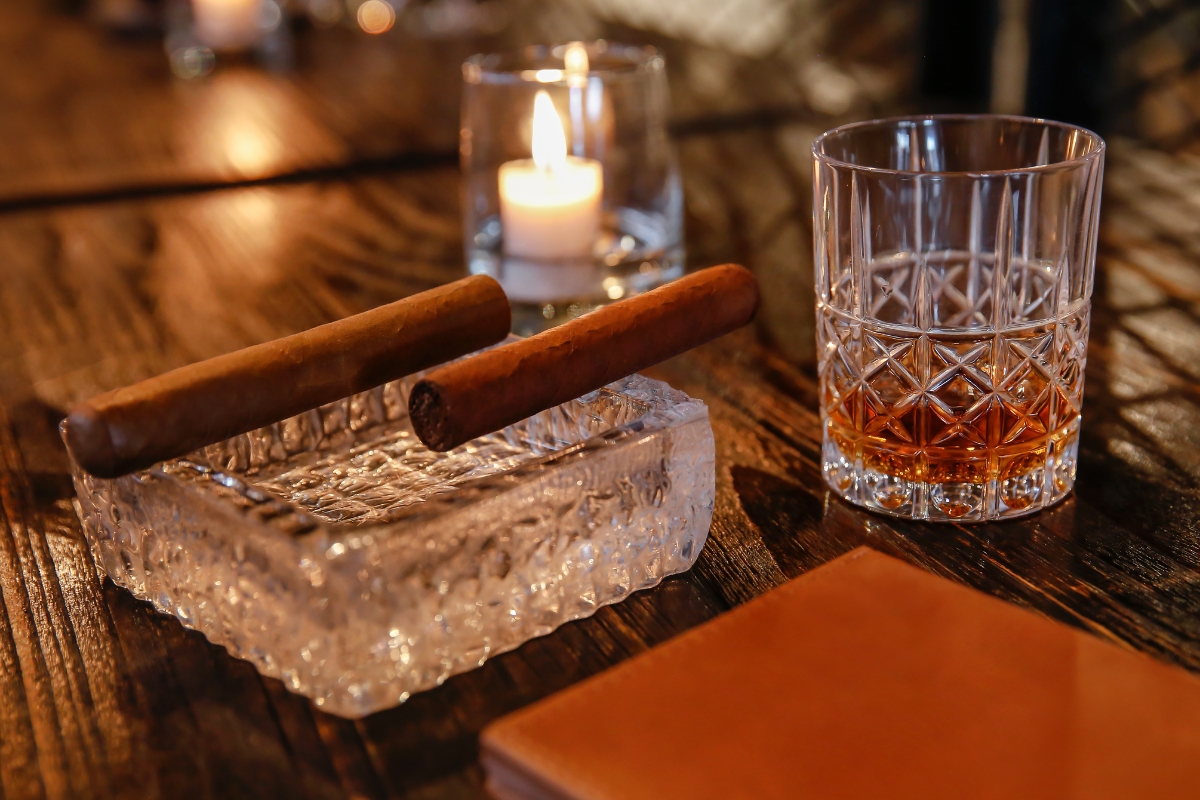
{"x": 550, "y": 204}
{"x": 227, "y": 24}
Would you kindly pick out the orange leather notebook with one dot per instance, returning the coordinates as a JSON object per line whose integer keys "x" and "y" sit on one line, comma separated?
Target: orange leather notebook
{"x": 866, "y": 678}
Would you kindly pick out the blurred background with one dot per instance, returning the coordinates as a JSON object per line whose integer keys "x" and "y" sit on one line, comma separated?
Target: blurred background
{"x": 1127, "y": 67}
{"x": 107, "y": 100}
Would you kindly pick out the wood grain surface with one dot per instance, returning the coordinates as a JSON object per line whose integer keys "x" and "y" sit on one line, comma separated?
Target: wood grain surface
{"x": 101, "y": 696}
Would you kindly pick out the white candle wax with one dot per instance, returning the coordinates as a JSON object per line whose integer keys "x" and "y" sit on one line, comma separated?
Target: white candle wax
{"x": 550, "y": 204}
{"x": 227, "y": 24}
{"x": 550, "y": 214}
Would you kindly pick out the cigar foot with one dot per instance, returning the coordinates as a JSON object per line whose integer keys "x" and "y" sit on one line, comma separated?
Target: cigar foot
{"x": 426, "y": 402}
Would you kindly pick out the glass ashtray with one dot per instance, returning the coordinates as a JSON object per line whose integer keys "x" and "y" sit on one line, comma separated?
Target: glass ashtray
{"x": 338, "y": 554}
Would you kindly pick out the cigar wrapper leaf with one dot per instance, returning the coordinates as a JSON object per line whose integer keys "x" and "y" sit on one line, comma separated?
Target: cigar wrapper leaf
{"x": 171, "y": 415}
{"x": 491, "y": 390}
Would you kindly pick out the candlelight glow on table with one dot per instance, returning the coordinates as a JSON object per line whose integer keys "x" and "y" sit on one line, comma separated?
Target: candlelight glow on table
{"x": 572, "y": 193}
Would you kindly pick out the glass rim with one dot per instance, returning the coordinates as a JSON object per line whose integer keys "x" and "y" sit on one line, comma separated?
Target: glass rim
{"x": 505, "y": 67}
{"x": 885, "y": 122}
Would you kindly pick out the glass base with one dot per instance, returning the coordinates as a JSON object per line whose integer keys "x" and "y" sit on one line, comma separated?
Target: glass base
{"x": 891, "y": 482}
{"x": 637, "y": 251}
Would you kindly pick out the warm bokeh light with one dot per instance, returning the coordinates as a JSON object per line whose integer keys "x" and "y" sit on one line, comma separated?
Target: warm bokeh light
{"x": 576, "y": 59}
{"x": 613, "y": 288}
{"x": 237, "y": 128}
{"x": 249, "y": 148}
{"x": 549, "y": 140}
{"x": 232, "y": 24}
{"x": 269, "y": 15}
{"x": 192, "y": 62}
{"x": 376, "y": 16}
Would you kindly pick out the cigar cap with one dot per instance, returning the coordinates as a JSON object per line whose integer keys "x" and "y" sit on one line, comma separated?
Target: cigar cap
{"x": 427, "y": 401}
{"x": 490, "y": 390}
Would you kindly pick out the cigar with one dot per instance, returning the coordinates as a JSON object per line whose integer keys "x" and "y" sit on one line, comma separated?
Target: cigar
{"x": 478, "y": 395}
{"x": 173, "y": 414}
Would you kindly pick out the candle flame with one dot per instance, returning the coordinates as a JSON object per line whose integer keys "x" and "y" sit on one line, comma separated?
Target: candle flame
{"x": 576, "y": 59}
{"x": 549, "y": 139}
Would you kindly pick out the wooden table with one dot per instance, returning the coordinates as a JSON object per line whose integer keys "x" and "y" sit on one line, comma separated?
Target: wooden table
{"x": 147, "y": 223}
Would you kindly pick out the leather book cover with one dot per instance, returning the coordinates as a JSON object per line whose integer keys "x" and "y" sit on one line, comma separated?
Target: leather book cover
{"x": 865, "y": 678}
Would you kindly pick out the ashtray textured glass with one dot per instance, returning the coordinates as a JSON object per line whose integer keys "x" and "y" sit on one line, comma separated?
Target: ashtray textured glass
{"x": 335, "y": 552}
{"x": 954, "y": 259}
{"x": 579, "y": 203}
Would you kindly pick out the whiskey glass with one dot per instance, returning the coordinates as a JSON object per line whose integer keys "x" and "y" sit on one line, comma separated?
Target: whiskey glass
{"x": 954, "y": 262}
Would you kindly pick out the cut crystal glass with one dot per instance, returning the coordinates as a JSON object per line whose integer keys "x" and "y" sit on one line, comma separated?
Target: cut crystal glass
{"x": 954, "y": 265}
{"x": 336, "y": 553}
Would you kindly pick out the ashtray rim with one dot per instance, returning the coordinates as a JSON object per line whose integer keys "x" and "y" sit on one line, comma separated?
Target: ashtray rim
{"x": 278, "y": 517}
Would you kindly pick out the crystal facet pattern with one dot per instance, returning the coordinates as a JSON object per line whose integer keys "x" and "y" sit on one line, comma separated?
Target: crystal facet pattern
{"x": 335, "y": 552}
{"x": 954, "y": 264}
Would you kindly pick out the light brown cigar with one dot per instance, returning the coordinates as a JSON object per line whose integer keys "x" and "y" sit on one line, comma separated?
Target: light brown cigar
{"x": 169, "y": 416}
{"x": 484, "y": 393}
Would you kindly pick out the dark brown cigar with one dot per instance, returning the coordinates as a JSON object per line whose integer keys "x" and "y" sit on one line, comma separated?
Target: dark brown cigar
{"x": 489, "y": 391}
{"x": 169, "y": 416}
